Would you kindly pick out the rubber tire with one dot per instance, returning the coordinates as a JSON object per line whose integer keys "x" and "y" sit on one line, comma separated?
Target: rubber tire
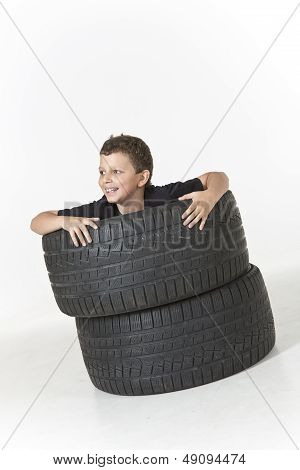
{"x": 181, "y": 345}
{"x": 146, "y": 259}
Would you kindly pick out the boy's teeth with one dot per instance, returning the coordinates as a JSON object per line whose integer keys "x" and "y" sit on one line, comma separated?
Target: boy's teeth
{"x": 111, "y": 190}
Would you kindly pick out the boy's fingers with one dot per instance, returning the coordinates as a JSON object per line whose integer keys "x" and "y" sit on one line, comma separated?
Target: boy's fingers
{"x": 202, "y": 223}
{"x": 86, "y": 234}
{"x": 186, "y": 196}
{"x": 191, "y": 217}
{"x": 196, "y": 219}
{"x": 190, "y": 209}
{"x": 79, "y": 235}
{"x": 93, "y": 225}
{"x": 74, "y": 238}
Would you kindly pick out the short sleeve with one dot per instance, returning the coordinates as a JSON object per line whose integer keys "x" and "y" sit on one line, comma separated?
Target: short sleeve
{"x": 93, "y": 209}
{"x": 180, "y": 188}
{"x": 157, "y": 195}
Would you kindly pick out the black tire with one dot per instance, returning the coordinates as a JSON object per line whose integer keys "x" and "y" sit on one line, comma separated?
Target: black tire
{"x": 146, "y": 259}
{"x": 186, "y": 344}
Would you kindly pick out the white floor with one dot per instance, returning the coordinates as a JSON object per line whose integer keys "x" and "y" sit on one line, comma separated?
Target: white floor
{"x": 49, "y": 401}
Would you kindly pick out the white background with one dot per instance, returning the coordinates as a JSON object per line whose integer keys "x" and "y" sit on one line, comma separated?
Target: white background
{"x": 167, "y": 72}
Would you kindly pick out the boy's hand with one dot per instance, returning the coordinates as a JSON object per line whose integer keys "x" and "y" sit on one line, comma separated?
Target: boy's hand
{"x": 76, "y": 225}
{"x": 203, "y": 202}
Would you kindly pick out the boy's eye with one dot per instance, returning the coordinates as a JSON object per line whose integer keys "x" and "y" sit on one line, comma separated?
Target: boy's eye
{"x": 116, "y": 171}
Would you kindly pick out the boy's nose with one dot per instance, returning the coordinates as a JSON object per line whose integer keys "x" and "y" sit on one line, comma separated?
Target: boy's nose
{"x": 107, "y": 179}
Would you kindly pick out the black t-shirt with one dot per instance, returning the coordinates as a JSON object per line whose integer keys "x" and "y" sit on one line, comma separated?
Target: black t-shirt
{"x": 153, "y": 196}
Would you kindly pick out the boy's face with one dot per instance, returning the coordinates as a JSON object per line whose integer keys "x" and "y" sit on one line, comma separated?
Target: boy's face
{"x": 116, "y": 171}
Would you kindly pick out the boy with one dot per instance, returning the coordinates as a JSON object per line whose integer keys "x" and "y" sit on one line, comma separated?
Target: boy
{"x": 125, "y": 173}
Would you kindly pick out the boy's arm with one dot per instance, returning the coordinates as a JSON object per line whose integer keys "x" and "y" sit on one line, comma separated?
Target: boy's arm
{"x": 49, "y": 221}
{"x": 216, "y": 183}
{"x": 46, "y": 222}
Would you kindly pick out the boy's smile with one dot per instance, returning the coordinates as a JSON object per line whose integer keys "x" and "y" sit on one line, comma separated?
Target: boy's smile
{"x": 120, "y": 183}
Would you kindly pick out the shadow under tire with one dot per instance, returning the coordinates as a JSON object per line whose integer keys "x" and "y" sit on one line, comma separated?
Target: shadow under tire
{"x": 185, "y": 344}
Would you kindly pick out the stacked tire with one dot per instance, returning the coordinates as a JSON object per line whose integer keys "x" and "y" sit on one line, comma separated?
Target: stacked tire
{"x": 160, "y": 307}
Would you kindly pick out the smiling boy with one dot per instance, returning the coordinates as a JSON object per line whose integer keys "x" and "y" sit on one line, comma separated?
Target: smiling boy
{"x": 125, "y": 173}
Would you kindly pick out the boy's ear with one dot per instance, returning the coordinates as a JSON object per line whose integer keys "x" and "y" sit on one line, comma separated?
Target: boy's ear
{"x": 145, "y": 175}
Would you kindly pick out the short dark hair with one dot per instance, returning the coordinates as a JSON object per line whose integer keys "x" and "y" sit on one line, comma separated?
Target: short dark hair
{"x": 136, "y": 149}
